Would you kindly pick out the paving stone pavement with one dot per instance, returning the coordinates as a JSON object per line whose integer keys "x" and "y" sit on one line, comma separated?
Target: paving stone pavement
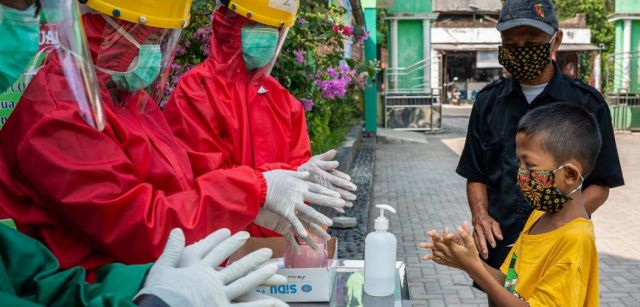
{"x": 617, "y": 227}
{"x": 419, "y": 180}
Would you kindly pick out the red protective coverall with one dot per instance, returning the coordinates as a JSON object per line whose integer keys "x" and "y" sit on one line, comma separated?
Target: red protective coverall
{"x": 98, "y": 197}
{"x": 216, "y": 107}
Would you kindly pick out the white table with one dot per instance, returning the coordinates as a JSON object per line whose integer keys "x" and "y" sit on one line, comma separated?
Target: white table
{"x": 348, "y": 288}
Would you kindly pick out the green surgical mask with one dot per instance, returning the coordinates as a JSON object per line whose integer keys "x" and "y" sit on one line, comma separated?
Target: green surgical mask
{"x": 142, "y": 73}
{"x": 20, "y": 32}
{"x": 259, "y": 44}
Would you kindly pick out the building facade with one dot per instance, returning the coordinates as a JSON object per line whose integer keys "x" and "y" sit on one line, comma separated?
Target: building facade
{"x": 465, "y": 37}
{"x": 624, "y": 96}
{"x": 411, "y": 90}
{"x": 627, "y": 46}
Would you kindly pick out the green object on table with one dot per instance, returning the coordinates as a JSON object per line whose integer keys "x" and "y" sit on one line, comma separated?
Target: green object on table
{"x": 355, "y": 289}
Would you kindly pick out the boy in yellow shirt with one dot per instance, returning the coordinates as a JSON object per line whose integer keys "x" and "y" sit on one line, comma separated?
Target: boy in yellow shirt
{"x": 554, "y": 261}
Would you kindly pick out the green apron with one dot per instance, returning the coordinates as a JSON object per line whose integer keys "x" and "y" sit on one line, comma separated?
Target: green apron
{"x": 30, "y": 276}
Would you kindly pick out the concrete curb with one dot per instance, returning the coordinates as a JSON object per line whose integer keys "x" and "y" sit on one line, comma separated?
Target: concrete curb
{"x": 390, "y": 136}
{"x": 349, "y": 149}
{"x": 351, "y": 240}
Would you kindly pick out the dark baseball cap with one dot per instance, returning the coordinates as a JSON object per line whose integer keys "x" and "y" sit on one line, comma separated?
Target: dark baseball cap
{"x": 539, "y": 14}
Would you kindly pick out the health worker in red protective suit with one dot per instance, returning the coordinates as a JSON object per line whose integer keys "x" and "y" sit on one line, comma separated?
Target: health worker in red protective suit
{"x": 230, "y": 104}
{"x": 95, "y": 197}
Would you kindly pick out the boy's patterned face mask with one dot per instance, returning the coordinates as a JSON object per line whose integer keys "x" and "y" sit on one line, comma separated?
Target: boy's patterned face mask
{"x": 525, "y": 63}
{"x": 539, "y": 188}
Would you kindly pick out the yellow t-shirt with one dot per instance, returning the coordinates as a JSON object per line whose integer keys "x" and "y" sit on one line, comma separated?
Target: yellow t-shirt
{"x": 557, "y": 268}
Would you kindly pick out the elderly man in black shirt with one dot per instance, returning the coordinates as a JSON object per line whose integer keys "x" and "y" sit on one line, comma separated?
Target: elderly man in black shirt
{"x": 530, "y": 36}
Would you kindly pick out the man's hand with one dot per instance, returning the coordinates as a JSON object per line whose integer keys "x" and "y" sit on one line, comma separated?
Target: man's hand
{"x": 485, "y": 231}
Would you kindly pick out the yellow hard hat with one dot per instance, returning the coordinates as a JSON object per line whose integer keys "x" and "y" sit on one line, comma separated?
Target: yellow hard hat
{"x": 275, "y": 13}
{"x": 167, "y": 14}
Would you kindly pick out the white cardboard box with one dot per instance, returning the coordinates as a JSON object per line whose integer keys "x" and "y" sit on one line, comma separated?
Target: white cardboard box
{"x": 303, "y": 285}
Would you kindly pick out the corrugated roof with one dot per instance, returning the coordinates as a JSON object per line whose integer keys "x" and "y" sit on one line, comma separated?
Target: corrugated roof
{"x": 467, "y": 6}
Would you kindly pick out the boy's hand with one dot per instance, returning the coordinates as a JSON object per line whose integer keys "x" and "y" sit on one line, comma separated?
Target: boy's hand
{"x": 456, "y": 250}
{"x": 466, "y": 253}
{"x": 440, "y": 250}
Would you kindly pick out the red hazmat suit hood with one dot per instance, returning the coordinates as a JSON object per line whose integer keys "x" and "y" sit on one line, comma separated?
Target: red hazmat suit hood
{"x": 226, "y": 42}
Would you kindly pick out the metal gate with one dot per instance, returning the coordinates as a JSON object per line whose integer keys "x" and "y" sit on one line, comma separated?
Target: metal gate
{"x": 410, "y": 102}
{"x": 625, "y": 111}
{"x": 623, "y": 90}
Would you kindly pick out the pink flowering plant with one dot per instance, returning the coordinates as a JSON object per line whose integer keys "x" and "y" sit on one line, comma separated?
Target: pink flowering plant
{"x": 311, "y": 66}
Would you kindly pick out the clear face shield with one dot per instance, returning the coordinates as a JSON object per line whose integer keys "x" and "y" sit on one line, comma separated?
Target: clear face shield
{"x": 248, "y": 36}
{"x": 137, "y": 58}
{"x": 64, "y": 31}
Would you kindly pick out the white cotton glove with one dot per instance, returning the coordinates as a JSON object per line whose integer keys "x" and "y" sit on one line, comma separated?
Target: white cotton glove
{"x": 199, "y": 284}
{"x": 323, "y": 170}
{"x": 287, "y": 192}
{"x": 276, "y": 223}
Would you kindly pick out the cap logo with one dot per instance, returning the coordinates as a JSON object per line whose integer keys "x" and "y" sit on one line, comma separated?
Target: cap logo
{"x": 539, "y": 10}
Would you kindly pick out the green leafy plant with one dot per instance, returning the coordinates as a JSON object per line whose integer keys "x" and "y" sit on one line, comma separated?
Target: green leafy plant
{"x": 602, "y": 31}
{"x": 313, "y": 68}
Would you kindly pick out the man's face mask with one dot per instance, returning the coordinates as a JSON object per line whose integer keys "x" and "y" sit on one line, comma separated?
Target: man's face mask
{"x": 539, "y": 188}
{"x": 259, "y": 44}
{"x": 19, "y": 31}
{"x": 525, "y": 63}
{"x": 143, "y": 70}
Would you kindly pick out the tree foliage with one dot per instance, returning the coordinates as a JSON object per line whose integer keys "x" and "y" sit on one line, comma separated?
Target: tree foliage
{"x": 602, "y": 31}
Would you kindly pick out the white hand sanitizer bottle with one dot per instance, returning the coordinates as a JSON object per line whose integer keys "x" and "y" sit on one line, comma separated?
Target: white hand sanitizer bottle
{"x": 380, "y": 257}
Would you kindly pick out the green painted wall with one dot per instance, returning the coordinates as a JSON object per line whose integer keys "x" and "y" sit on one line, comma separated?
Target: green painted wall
{"x": 410, "y": 51}
{"x": 617, "y": 82}
{"x": 624, "y": 6}
{"x": 371, "y": 92}
{"x": 635, "y": 59}
{"x": 634, "y": 85}
{"x": 368, "y": 3}
{"x": 411, "y": 6}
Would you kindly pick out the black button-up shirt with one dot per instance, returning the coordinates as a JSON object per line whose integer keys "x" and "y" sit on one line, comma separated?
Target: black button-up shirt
{"x": 489, "y": 154}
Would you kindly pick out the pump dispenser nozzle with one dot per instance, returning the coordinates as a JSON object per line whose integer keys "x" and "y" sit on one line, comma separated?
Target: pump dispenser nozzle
{"x": 382, "y": 223}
